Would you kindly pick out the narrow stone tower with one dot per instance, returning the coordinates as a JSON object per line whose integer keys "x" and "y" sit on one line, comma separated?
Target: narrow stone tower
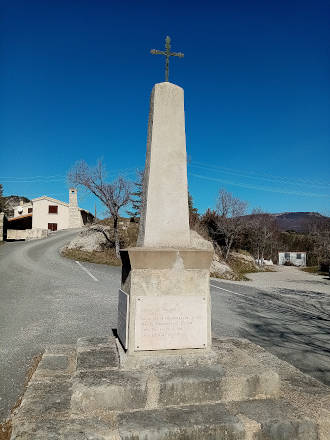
{"x": 75, "y": 219}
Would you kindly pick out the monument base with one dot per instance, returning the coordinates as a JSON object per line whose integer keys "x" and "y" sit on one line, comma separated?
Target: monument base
{"x": 164, "y": 301}
{"x": 81, "y": 392}
{"x": 165, "y": 358}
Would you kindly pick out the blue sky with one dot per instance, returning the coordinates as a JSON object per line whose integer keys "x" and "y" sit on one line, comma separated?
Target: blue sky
{"x": 76, "y": 77}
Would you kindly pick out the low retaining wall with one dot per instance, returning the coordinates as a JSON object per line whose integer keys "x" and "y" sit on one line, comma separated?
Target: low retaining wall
{"x": 36, "y": 233}
{"x": 26, "y": 234}
{"x": 16, "y": 234}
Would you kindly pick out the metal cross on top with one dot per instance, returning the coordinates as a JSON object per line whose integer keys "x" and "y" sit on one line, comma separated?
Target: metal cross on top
{"x": 167, "y": 52}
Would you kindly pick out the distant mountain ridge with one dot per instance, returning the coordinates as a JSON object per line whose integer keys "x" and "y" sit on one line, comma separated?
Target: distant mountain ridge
{"x": 298, "y": 221}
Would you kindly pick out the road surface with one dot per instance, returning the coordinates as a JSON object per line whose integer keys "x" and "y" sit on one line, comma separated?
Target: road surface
{"x": 47, "y": 299}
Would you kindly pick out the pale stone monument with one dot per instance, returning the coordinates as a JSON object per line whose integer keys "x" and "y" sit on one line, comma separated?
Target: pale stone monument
{"x": 164, "y": 301}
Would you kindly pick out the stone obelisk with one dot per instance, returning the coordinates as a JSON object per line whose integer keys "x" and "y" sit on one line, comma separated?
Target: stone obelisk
{"x": 165, "y": 217}
{"x": 164, "y": 301}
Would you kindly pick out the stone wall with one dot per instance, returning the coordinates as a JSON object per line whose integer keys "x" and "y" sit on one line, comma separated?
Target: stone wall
{"x": 16, "y": 234}
{"x": 36, "y": 234}
{"x": 2, "y": 221}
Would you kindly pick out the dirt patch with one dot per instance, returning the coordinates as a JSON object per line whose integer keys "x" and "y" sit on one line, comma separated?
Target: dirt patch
{"x": 6, "y": 427}
{"x": 5, "y": 430}
{"x": 108, "y": 256}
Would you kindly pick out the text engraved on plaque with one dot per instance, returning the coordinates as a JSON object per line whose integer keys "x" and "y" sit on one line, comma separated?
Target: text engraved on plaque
{"x": 122, "y": 323}
{"x": 170, "y": 322}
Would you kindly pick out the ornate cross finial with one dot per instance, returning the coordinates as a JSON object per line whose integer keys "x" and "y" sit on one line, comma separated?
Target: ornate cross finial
{"x": 167, "y": 54}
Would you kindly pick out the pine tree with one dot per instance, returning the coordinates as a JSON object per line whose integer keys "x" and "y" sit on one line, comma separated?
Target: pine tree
{"x": 193, "y": 212}
{"x": 2, "y": 200}
{"x": 135, "y": 211}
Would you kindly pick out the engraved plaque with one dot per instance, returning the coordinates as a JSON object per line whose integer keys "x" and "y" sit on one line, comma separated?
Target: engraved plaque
{"x": 122, "y": 324}
{"x": 170, "y": 322}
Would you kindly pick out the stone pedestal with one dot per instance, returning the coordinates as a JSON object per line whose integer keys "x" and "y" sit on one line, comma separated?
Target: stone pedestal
{"x": 164, "y": 303}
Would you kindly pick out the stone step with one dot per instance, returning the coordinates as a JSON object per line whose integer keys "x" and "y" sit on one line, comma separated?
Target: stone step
{"x": 117, "y": 390}
{"x": 250, "y": 420}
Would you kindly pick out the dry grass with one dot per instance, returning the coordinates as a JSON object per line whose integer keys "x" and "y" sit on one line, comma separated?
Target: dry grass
{"x": 269, "y": 269}
{"x": 5, "y": 430}
{"x": 314, "y": 270}
{"x": 241, "y": 267}
{"x": 6, "y": 427}
{"x": 107, "y": 256}
{"x": 311, "y": 269}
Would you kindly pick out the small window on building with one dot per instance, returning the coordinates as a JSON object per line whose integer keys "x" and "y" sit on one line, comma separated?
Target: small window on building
{"x": 298, "y": 256}
{"x": 52, "y": 209}
{"x": 52, "y": 226}
{"x": 30, "y": 210}
{"x": 287, "y": 255}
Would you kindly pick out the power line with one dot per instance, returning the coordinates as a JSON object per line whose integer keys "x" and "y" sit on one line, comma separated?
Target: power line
{"x": 262, "y": 188}
{"x": 62, "y": 178}
{"x": 56, "y": 176}
{"x": 260, "y": 175}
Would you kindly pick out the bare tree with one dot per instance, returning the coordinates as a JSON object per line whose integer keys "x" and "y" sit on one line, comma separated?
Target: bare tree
{"x": 113, "y": 195}
{"x": 262, "y": 229}
{"x": 229, "y": 223}
{"x": 319, "y": 232}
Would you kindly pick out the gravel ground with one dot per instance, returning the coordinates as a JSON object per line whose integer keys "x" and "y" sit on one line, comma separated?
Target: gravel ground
{"x": 286, "y": 277}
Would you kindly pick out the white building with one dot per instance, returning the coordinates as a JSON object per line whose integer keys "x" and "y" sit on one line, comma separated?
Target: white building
{"x": 23, "y": 208}
{"x": 295, "y": 258}
{"x": 46, "y": 213}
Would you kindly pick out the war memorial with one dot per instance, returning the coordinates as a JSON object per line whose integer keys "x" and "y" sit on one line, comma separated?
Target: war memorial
{"x": 161, "y": 375}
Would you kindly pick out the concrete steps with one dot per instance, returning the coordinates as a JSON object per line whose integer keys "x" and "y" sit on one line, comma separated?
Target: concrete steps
{"x": 266, "y": 420}
{"x": 116, "y": 390}
{"x": 82, "y": 393}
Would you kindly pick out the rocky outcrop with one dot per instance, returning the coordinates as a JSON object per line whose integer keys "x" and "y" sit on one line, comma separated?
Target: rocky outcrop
{"x": 95, "y": 238}
{"x": 199, "y": 242}
{"x": 219, "y": 269}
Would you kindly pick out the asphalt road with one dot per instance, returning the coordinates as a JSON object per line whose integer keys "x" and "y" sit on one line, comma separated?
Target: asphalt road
{"x": 47, "y": 299}
{"x": 292, "y": 324}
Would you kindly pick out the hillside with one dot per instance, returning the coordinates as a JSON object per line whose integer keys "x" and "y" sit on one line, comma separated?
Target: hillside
{"x": 298, "y": 221}
{"x": 11, "y": 201}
